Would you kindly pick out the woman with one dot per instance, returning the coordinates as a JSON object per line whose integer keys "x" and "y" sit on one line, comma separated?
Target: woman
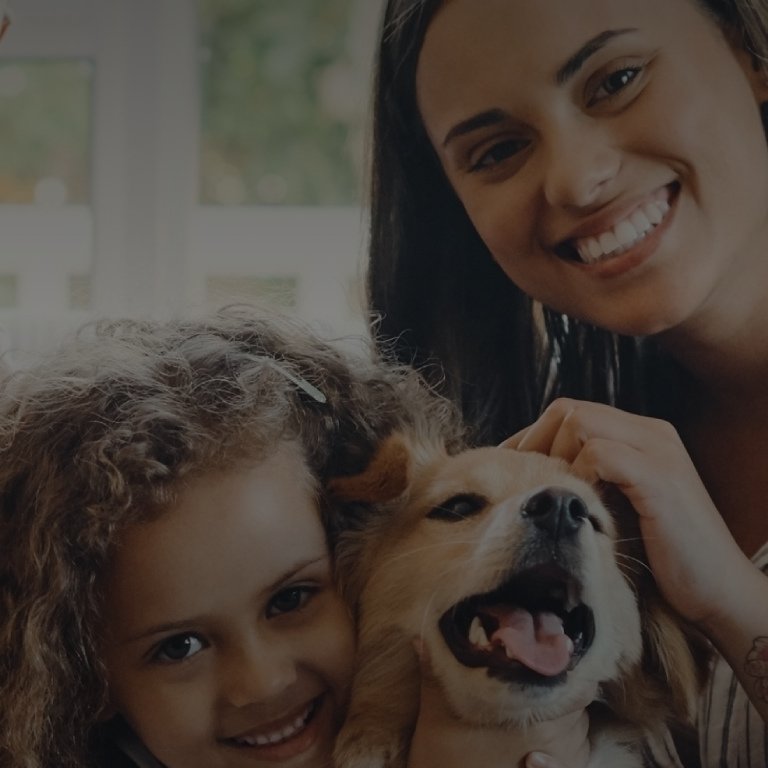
{"x": 570, "y": 203}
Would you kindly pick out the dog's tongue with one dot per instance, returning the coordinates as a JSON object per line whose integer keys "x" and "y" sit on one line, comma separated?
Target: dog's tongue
{"x": 535, "y": 640}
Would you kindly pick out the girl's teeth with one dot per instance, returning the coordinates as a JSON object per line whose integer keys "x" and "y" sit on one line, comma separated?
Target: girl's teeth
{"x": 624, "y": 235}
{"x": 263, "y": 740}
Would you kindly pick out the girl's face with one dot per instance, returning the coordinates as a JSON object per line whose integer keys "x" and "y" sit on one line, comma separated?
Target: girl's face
{"x": 227, "y": 644}
{"x": 609, "y": 153}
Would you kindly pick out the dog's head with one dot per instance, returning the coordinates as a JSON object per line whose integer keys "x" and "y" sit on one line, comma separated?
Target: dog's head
{"x": 507, "y": 571}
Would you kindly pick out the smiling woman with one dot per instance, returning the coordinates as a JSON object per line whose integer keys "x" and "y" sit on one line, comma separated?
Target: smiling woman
{"x": 570, "y": 204}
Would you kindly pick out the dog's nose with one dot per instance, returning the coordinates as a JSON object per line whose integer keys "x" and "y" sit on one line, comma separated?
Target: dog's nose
{"x": 556, "y": 511}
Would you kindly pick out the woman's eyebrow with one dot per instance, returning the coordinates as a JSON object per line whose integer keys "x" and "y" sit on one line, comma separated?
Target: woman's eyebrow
{"x": 576, "y": 62}
{"x": 481, "y": 120}
{"x": 564, "y": 74}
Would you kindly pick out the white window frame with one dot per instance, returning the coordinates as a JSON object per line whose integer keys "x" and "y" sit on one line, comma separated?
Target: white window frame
{"x": 151, "y": 241}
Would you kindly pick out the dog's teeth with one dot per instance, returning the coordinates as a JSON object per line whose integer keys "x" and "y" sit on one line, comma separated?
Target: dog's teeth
{"x": 477, "y": 634}
{"x": 569, "y": 645}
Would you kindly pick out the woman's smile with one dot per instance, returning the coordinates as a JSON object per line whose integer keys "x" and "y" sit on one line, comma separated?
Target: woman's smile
{"x": 604, "y": 180}
{"x": 615, "y": 240}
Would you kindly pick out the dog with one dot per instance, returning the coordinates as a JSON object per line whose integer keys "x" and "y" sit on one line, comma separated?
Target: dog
{"x": 523, "y": 592}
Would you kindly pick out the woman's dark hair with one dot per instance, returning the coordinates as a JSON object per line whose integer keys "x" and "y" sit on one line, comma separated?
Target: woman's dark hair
{"x": 440, "y": 301}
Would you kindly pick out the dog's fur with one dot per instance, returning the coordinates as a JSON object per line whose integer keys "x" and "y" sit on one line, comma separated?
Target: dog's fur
{"x": 432, "y": 531}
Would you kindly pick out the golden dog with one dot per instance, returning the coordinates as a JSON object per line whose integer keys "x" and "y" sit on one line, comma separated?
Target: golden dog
{"x": 511, "y": 577}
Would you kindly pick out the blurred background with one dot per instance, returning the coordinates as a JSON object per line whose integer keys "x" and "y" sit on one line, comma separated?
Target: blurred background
{"x": 164, "y": 156}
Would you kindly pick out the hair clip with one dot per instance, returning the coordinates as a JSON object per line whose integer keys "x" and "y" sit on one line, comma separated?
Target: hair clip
{"x": 303, "y": 384}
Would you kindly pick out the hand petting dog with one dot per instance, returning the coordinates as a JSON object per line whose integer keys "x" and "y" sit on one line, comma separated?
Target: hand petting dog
{"x": 683, "y": 532}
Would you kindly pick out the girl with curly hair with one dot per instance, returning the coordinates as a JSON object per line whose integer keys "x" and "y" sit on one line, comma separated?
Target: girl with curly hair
{"x": 166, "y": 595}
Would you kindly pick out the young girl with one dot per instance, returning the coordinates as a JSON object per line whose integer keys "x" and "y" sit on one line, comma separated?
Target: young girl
{"x": 570, "y": 200}
{"x": 165, "y": 589}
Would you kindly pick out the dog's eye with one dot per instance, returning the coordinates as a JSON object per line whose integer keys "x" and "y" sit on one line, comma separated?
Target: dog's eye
{"x": 457, "y": 508}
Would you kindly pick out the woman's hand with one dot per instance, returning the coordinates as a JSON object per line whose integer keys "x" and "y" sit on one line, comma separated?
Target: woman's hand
{"x": 688, "y": 545}
{"x": 697, "y": 564}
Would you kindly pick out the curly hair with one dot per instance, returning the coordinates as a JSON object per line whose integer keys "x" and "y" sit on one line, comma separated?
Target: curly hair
{"x": 97, "y": 436}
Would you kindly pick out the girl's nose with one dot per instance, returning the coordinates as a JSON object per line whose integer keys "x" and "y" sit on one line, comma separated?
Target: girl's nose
{"x": 581, "y": 163}
{"x": 258, "y": 673}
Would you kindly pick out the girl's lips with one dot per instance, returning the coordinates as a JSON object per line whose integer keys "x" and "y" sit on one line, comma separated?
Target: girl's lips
{"x": 283, "y": 740}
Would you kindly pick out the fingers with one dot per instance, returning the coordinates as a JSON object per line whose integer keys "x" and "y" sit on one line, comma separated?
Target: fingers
{"x": 566, "y": 425}
{"x": 514, "y": 441}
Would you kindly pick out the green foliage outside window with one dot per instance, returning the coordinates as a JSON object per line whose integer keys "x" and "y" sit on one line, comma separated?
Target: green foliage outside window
{"x": 45, "y": 128}
{"x": 283, "y": 102}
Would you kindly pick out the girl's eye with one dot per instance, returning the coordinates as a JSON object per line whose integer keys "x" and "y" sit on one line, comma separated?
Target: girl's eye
{"x": 179, "y": 648}
{"x": 289, "y": 600}
{"x": 497, "y": 154}
{"x": 615, "y": 82}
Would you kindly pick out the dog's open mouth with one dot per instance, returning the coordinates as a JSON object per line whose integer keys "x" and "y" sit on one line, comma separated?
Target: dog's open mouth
{"x": 533, "y": 628}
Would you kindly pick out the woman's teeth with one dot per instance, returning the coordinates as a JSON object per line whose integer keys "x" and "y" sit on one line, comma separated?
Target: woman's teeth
{"x": 624, "y": 235}
{"x": 276, "y": 737}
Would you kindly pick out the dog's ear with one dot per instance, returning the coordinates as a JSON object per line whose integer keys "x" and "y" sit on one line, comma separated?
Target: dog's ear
{"x": 676, "y": 654}
{"x": 384, "y": 479}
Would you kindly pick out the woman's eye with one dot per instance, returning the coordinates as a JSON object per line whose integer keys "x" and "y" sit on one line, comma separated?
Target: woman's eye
{"x": 179, "y": 648}
{"x": 497, "y": 154}
{"x": 288, "y": 600}
{"x": 615, "y": 82}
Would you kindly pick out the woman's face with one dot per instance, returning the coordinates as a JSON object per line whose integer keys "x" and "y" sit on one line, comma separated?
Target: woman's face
{"x": 609, "y": 152}
{"x": 227, "y": 643}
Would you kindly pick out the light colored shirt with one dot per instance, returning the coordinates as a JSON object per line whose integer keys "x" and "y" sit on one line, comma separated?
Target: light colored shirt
{"x": 731, "y": 732}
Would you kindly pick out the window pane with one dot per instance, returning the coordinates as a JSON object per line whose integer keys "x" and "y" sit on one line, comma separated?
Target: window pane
{"x": 222, "y": 290}
{"x": 285, "y": 87}
{"x": 45, "y": 109}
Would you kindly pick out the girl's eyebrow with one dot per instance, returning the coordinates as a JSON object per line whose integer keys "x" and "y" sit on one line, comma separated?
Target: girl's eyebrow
{"x": 564, "y": 74}
{"x": 298, "y": 568}
{"x": 591, "y": 47}
{"x": 185, "y": 624}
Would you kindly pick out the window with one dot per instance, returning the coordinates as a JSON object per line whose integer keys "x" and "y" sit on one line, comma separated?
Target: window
{"x": 218, "y": 160}
{"x": 284, "y": 97}
{"x": 45, "y": 113}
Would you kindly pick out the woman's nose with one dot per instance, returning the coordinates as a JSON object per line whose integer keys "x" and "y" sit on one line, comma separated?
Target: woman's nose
{"x": 258, "y": 672}
{"x": 580, "y": 164}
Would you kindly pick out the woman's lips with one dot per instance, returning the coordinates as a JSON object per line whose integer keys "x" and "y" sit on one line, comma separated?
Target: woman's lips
{"x": 622, "y": 235}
